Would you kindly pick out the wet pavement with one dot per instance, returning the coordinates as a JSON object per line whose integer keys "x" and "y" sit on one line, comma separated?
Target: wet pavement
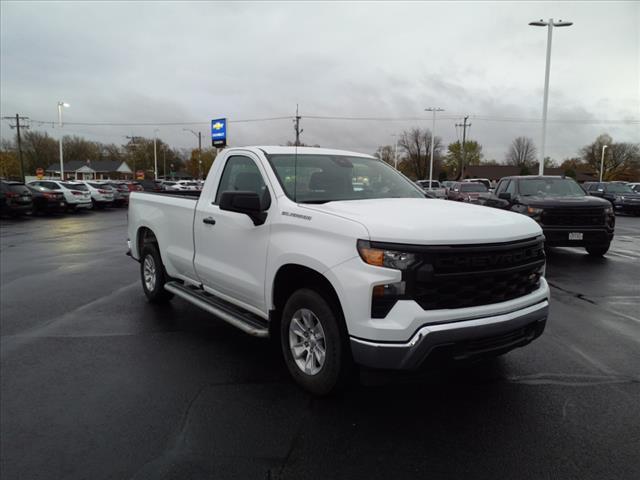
{"x": 97, "y": 383}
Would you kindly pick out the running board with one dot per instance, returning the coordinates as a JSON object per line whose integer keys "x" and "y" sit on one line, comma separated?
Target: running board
{"x": 236, "y": 316}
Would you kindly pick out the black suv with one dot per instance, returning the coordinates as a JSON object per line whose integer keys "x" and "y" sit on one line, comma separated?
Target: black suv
{"x": 15, "y": 198}
{"x": 621, "y": 196}
{"x": 568, "y": 216}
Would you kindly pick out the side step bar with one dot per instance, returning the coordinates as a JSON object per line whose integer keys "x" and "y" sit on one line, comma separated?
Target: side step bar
{"x": 236, "y": 316}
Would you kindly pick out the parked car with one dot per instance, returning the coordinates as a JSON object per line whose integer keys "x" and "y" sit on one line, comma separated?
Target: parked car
{"x": 120, "y": 193}
{"x": 466, "y": 192}
{"x": 568, "y": 216}
{"x": 134, "y": 186}
{"x": 485, "y": 181}
{"x": 280, "y": 243}
{"x": 447, "y": 184}
{"x": 76, "y": 194}
{"x": 46, "y": 200}
{"x": 438, "y": 190}
{"x": 151, "y": 185}
{"x": 635, "y": 187}
{"x": 102, "y": 196}
{"x": 15, "y": 198}
{"x": 621, "y": 195}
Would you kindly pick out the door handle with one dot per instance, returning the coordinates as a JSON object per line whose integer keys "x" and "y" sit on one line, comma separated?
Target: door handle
{"x": 209, "y": 220}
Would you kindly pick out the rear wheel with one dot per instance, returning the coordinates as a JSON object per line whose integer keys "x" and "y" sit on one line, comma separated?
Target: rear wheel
{"x": 153, "y": 275}
{"x": 597, "y": 250}
{"x": 314, "y": 343}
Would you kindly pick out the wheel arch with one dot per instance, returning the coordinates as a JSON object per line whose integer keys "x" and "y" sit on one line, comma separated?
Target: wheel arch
{"x": 291, "y": 277}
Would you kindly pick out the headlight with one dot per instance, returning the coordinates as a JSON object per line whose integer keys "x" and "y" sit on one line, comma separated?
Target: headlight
{"x": 608, "y": 210}
{"x": 384, "y": 258}
{"x": 534, "y": 211}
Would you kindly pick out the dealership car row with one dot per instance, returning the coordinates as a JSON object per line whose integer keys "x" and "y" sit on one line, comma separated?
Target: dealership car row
{"x": 51, "y": 195}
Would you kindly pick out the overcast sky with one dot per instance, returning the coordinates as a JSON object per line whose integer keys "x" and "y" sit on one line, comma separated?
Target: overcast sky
{"x": 191, "y": 62}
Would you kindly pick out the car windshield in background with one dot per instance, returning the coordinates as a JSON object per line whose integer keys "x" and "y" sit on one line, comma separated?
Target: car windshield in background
{"x": 327, "y": 178}
{"x": 473, "y": 187}
{"x": 75, "y": 186}
{"x": 546, "y": 187}
{"x": 618, "y": 188}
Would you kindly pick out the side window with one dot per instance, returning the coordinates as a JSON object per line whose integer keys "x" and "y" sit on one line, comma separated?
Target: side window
{"x": 501, "y": 186}
{"x": 50, "y": 185}
{"x": 242, "y": 174}
{"x": 511, "y": 188}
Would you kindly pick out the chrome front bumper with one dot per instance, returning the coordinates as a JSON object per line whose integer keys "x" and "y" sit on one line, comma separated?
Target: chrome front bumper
{"x": 459, "y": 340}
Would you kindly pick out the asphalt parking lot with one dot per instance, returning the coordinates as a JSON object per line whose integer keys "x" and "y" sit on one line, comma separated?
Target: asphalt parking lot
{"x": 97, "y": 383}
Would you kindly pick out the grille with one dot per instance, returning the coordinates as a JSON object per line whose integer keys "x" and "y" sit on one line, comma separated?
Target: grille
{"x": 469, "y": 276}
{"x": 573, "y": 217}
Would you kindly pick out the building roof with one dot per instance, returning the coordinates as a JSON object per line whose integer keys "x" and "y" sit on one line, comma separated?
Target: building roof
{"x": 96, "y": 166}
{"x": 496, "y": 172}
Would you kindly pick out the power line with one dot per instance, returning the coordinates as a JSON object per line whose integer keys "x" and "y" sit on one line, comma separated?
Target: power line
{"x": 157, "y": 124}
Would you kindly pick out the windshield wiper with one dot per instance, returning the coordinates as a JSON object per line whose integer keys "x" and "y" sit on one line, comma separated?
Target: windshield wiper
{"x": 315, "y": 202}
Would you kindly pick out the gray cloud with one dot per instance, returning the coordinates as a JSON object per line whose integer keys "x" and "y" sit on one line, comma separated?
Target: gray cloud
{"x": 163, "y": 62}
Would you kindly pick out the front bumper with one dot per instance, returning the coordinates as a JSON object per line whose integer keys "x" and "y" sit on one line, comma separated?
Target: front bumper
{"x": 462, "y": 339}
{"x": 559, "y": 236}
{"x": 627, "y": 207}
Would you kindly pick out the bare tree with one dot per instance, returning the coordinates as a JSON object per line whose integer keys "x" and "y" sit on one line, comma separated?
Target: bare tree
{"x": 522, "y": 152}
{"x": 416, "y": 143}
{"x": 386, "y": 154}
{"x": 621, "y": 160}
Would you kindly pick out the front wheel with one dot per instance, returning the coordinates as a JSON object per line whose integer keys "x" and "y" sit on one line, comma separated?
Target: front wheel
{"x": 153, "y": 275}
{"x": 597, "y": 250}
{"x": 315, "y": 343}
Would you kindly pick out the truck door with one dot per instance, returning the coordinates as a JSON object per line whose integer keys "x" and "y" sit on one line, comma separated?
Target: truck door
{"x": 231, "y": 251}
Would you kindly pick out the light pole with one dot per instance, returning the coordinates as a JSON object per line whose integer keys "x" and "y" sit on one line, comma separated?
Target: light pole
{"x": 604, "y": 147}
{"x": 395, "y": 155}
{"x": 199, "y": 137}
{"x": 60, "y": 105}
{"x": 550, "y": 24}
{"x": 155, "y": 154}
{"x": 433, "y": 138}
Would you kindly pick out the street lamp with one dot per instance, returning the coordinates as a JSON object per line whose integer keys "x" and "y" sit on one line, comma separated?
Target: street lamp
{"x": 604, "y": 147}
{"x": 395, "y": 155}
{"x": 199, "y": 137}
{"x": 550, "y": 24}
{"x": 60, "y": 105}
{"x": 433, "y": 137}
{"x": 155, "y": 154}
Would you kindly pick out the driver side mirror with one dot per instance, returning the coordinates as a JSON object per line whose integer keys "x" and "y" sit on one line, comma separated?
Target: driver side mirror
{"x": 244, "y": 202}
{"x": 505, "y": 196}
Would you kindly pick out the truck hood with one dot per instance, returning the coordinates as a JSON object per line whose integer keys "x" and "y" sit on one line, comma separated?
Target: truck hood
{"x": 432, "y": 222}
{"x": 551, "y": 202}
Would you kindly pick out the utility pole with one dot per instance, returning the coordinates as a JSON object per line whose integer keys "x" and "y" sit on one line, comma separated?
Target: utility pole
{"x": 604, "y": 147}
{"x": 155, "y": 155}
{"x": 17, "y": 127}
{"x": 296, "y": 127}
{"x": 463, "y": 155}
{"x": 164, "y": 161}
{"x": 200, "y": 155}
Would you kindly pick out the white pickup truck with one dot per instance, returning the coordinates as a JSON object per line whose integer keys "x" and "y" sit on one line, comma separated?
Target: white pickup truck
{"x": 281, "y": 243}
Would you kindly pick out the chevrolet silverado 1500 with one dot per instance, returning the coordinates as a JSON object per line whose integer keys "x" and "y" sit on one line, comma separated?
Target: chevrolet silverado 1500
{"x": 343, "y": 261}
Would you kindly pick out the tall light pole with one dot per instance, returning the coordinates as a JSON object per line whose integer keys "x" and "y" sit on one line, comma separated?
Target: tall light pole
{"x": 155, "y": 154}
{"x": 395, "y": 155}
{"x": 199, "y": 137}
{"x": 60, "y": 105}
{"x": 433, "y": 138}
{"x": 604, "y": 147}
{"x": 550, "y": 24}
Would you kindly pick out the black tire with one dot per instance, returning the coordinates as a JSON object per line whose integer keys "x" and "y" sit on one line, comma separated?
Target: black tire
{"x": 154, "y": 290}
{"x": 338, "y": 363}
{"x": 597, "y": 250}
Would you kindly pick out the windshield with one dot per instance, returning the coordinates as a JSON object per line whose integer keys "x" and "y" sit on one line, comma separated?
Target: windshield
{"x": 473, "y": 187}
{"x": 75, "y": 186}
{"x": 617, "y": 188}
{"x": 556, "y": 187}
{"x": 425, "y": 184}
{"x": 327, "y": 178}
